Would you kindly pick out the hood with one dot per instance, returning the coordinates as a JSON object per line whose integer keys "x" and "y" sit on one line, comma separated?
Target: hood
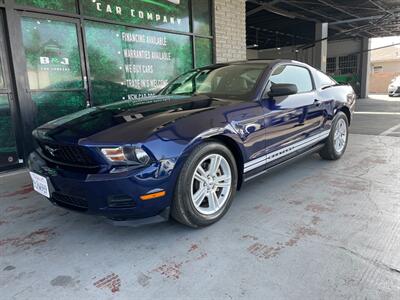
{"x": 126, "y": 121}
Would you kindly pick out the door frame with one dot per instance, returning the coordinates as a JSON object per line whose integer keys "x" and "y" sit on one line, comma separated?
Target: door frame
{"x": 10, "y": 92}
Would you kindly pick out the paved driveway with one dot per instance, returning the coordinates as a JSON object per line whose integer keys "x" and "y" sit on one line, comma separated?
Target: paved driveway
{"x": 378, "y": 115}
{"x": 313, "y": 230}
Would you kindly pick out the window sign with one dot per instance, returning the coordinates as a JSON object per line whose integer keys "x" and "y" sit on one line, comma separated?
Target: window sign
{"x": 131, "y": 63}
{"x": 52, "y": 54}
{"x": 166, "y": 14}
{"x": 61, "y": 5}
{"x": 54, "y": 68}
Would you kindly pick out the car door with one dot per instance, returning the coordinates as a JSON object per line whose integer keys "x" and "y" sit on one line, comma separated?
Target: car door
{"x": 294, "y": 118}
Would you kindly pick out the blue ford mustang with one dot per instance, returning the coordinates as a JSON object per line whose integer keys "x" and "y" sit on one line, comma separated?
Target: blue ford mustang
{"x": 187, "y": 150}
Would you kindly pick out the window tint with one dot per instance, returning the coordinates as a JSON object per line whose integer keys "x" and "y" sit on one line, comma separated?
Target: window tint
{"x": 324, "y": 80}
{"x": 292, "y": 75}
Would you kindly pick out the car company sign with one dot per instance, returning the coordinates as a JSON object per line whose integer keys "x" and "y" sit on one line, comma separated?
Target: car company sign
{"x": 168, "y": 14}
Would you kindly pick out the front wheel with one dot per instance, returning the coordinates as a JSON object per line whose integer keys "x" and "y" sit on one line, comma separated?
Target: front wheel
{"x": 336, "y": 143}
{"x": 206, "y": 186}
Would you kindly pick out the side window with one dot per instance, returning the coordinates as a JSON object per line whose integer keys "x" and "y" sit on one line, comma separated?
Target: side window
{"x": 324, "y": 80}
{"x": 292, "y": 75}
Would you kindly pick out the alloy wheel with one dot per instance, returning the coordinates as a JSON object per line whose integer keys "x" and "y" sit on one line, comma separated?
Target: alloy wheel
{"x": 211, "y": 184}
{"x": 340, "y": 137}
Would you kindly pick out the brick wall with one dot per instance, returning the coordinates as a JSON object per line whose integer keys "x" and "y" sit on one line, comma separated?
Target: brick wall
{"x": 379, "y": 82}
{"x": 230, "y": 30}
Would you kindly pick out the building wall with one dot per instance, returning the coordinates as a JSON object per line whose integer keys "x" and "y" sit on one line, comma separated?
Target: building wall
{"x": 344, "y": 47}
{"x": 230, "y": 30}
{"x": 252, "y": 54}
{"x": 380, "y": 80}
{"x": 335, "y": 48}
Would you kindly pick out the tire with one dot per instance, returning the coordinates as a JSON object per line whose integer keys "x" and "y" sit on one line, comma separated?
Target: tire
{"x": 331, "y": 151}
{"x": 189, "y": 186}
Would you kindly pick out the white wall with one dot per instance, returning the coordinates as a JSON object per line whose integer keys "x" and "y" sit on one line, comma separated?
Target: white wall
{"x": 344, "y": 47}
{"x": 252, "y": 54}
{"x": 335, "y": 48}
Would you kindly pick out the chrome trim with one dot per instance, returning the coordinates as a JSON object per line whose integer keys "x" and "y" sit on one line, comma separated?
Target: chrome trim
{"x": 258, "y": 162}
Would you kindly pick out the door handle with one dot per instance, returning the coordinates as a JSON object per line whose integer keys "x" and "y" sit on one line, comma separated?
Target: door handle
{"x": 317, "y": 102}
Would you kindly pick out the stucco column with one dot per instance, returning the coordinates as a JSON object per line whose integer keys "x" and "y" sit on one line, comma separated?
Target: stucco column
{"x": 365, "y": 67}
{"x": 229, "y": 30}
{"x": 321, "y": 46}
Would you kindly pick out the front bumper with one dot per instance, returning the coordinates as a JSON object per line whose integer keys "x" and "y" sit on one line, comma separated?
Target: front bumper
{"x": 394, "y": 91}
{"x": 113, "y": 195}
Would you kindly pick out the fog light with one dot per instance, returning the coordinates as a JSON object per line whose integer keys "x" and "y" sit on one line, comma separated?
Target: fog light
{"x": 120, "y": 201}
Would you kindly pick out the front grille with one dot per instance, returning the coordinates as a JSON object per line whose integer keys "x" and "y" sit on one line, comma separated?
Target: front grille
{"x": 71, "y": 202}
{"x": 68, "y": 154}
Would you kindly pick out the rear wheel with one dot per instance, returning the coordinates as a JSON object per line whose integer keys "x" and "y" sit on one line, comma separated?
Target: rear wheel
{"x": 206, "y": 186}
{"x": 336, "y": 143}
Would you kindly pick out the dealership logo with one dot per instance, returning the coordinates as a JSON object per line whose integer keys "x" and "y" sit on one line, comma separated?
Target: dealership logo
{"x": 44, "y": 60}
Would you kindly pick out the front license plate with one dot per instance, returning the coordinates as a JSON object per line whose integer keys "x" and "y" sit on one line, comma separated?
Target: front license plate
{"x": 40, "y": 184}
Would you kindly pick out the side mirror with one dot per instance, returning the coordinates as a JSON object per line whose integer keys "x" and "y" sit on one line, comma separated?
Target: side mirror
{"x": 282, "y": 89}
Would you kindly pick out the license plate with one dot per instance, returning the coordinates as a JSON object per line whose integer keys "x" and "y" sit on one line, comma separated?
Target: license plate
{"x": 40, "y": 184}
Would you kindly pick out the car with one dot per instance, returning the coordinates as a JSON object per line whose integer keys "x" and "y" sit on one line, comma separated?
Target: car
{"x": 394, "y": 87}
{"x": 186, "y": 151}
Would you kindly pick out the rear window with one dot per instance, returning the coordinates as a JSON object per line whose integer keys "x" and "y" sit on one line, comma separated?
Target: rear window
{"x": 324, "y": 80}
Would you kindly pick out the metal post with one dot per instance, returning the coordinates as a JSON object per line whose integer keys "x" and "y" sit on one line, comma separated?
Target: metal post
{"x": 365, "y": 66}
{"x": 321, "y": 46}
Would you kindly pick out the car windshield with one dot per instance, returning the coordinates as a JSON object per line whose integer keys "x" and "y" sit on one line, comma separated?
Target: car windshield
{"x": 232, "y": 81}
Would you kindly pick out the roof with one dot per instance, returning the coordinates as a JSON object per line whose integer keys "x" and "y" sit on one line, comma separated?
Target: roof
{"x": 279, "y": 23}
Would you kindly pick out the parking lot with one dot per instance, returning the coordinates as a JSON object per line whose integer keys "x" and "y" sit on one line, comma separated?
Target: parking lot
{"x": 312, "y": 230}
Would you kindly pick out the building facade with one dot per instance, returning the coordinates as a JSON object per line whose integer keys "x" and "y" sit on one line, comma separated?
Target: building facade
{"x": 61, "y": 56}
{"x": 385, "y": 67}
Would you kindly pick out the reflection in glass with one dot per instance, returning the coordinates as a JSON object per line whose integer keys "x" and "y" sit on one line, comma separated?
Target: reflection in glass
{"x": 2, "y": 83}
{"x": 61, "y": 5}
{"x": 204, "y": 52}
{"x": 8, "y": 151}
{"x": 52, "y": 54}
{"x": 201, "y": 17}
{"x": 52, "y": 105}
{"x": 136, "y": 63}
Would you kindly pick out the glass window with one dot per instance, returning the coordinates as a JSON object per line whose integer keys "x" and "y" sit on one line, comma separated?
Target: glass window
{"x": 293, "y": 75}
{"x": 233, "y": 81}
{"x": 135, "y": 63}
{"x": 324, "y": 80}
{"x": 8, "y": 150}
{"x": 52, "y": 54}
{"x": 166, "y": 14}
{"x": 331, "y": 65}
{"x": 348, "y": 64}
{"x": 204, "y": 52}
{"x": 201, "y": 17}
{"x": 52, "y": 105}
{"x": 61, "y": 5}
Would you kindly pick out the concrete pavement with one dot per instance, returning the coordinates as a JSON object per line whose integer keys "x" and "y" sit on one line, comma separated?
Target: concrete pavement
{"x": 378, "y": 115}
{"x": 313, "y": 230}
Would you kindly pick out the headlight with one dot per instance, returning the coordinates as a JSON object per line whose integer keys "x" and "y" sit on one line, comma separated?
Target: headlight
{"x": 126, "y": 155}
